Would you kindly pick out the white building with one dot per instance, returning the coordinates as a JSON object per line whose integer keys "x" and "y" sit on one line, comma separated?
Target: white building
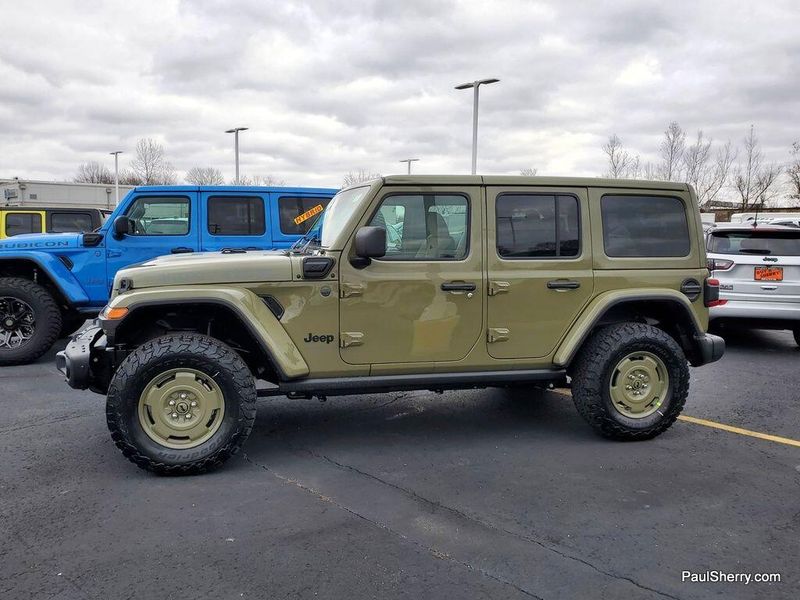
{"x": 25, "y": 192}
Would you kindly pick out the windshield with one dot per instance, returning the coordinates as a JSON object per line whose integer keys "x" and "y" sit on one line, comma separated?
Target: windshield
{"x": 775, "y": 243}
{"x": 337, "y": 213}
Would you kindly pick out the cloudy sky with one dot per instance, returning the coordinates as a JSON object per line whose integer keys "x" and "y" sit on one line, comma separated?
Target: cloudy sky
{"x": 329, "y": 86}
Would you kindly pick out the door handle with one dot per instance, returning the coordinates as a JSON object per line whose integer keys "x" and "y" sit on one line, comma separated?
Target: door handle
{"x": 563, "y": 284}
{"x": 182, "y": 250}
{"x": 458, "y": 287}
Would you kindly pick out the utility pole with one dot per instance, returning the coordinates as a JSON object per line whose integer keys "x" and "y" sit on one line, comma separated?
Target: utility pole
{"x": 475, "y": 85}
{"x": 409, "y": 161}
{"x": 235, "y": 131}
{"x": 116, "y": 154}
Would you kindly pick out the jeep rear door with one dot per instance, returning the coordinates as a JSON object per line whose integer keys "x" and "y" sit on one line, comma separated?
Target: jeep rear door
{"x": 234, "y": 219}
{"x": 539, "y": 267}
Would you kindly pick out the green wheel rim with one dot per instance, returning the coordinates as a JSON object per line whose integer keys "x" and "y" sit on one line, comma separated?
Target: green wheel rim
{"x": 639, "y": 385}
{"x": 181, "y": 408}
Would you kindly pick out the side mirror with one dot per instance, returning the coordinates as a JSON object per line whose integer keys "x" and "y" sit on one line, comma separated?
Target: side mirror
{"x": 122, "y": 227}
{"x": 370, "y": 243}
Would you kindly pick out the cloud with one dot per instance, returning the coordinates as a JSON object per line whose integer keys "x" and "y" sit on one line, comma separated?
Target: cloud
{"x": 327, "y": 87}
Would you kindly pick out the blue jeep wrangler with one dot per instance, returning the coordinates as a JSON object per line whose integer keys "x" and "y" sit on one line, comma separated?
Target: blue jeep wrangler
{"x": 51, "y": 283}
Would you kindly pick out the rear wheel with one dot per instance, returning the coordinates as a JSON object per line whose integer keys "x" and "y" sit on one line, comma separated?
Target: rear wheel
{"x": 181, "y": 404}
{"x": 30, "y": 321}
{"x": 630, "y": 381}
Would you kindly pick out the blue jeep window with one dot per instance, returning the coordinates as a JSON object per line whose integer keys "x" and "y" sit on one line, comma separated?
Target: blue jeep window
{"x": 20, "y": 223}
{"x": 236, "y": 215}
{"x": 297, "y": 215}
{"x": 152, "y": 215}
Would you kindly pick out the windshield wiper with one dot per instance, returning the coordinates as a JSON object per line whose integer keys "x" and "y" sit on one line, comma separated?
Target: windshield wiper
{"x": 754, "y": 251}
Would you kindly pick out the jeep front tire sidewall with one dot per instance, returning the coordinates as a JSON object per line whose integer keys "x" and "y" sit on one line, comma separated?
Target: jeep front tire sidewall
{"x": 594, "y": 368}
{"x": 47, "y": 320}
{"x": 184, "y": 351}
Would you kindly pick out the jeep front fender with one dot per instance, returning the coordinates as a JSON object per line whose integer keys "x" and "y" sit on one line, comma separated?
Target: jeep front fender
{"x": 594, "y": 312}
{"x": 52, "y": 267}
{"x": 249, "y": 308}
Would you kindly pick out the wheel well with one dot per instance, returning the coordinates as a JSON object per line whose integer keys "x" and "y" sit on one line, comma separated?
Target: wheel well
{"x": 215, "y": 320}
{"x": 668, "y": 315}
{"x": 28, "y": 269}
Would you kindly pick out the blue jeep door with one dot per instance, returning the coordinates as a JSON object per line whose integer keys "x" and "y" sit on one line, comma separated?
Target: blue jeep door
{"x": 234, "y": 219}
{"x": 160, "y": 223}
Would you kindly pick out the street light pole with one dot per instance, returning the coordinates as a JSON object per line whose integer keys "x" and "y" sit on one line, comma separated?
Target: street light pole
{"x": 116, "y": 154}
{"x": 409, "y": 161}
{"x": 475, "y": 85}
{"x": 235, "y": 131}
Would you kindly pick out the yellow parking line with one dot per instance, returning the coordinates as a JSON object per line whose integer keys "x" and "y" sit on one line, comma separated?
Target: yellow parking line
{"x": 756, "y": 434}
{"x": 740, "y": 431}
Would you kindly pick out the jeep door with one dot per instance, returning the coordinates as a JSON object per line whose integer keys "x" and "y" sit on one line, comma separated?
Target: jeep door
{"x": 161, "y": 223}
{"x": 422, "y": 301}
{"x": 539, "y": 267}
{"x": 234, "y": 219}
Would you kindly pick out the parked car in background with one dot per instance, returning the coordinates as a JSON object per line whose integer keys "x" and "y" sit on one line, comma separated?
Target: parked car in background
{"x": 758, "y": 268}
{"x": 18, "y": 220}
{"x": 51, "y": 283}
{"x": 787, "y": 222}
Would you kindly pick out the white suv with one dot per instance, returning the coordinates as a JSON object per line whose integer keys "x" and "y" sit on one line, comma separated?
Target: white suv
{"x": 758, "y": 268}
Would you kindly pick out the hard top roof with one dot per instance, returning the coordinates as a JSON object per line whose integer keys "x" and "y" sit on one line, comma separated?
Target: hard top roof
{"x": 531, "y": 181}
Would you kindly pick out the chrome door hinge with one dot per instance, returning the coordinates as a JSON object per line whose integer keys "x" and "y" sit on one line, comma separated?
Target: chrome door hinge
{"x": 498, "y": 287}
{"x": 346, "y": 290}
{"x": 496, "y": 334}
{"x": 350, "y": 338}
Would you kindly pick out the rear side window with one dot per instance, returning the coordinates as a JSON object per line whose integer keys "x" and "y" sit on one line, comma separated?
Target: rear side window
{"x": 537, "y": 226}
{"x": 297, "y": 215}
{"x": 65, "y": 222}
{"x": 764, "y": 243}
{"x": 638, "y": 226}
{"x": 232, "y": 215}
{"x": 21, "y": 223}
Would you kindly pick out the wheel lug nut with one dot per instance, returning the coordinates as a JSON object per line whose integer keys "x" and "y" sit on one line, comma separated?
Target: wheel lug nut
{"x": 174, "y": 415}
{"x": 194, "y": 403}
{"x": 183, "y": 396}
{"x": 627, "y": 387}
{"x": 172, "y": 402}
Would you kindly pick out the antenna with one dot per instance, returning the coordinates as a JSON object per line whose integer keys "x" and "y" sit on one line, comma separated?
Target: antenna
{"x": 755, "y": 219}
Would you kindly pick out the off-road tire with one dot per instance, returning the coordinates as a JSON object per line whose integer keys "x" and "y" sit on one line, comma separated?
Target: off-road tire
{"x": 47, "y": 320}
{"x": 187, "y": 350}
{"x": 796, "y": 333}
{"x": 70, "y": 324}
{"x": 593, "y": 370}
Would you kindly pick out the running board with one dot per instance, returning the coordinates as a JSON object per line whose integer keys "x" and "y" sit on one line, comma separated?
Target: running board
{"x": 338, "y": 386}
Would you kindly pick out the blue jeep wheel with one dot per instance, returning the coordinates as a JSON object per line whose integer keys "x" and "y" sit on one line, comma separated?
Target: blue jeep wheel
{"x": 30, "y": 321}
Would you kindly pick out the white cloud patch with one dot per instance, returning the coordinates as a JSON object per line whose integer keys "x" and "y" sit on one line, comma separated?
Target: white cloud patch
{"x": 327, "y": 87}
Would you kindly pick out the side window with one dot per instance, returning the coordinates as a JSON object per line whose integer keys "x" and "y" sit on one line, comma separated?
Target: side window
{"x": 424, "y": 226}
{"x": 234, "y": 215}
{"x": 20, "y": 223}
{"x": 297, "y": 215}
{"x": 537, "y": 226}
{"x": 639, "y": 226}
{"x": 65, "y": 222}
{"x": 151, "y": 215}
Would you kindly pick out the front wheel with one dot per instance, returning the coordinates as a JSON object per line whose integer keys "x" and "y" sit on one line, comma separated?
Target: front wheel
{"x": 181, "y": 404}
{"x": 30, "y": 321}
{"x": 630, "y": 381}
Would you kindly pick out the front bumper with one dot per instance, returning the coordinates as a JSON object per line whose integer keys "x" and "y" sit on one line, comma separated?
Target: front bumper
{"x": 710, "y": 348}
{"x": 76, "y": 360}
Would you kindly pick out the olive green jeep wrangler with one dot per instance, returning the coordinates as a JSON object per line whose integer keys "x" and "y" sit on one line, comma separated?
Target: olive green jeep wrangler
{"x": 406, "y": 282}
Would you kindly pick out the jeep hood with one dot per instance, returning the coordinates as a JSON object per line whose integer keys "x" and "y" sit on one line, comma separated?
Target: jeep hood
{"x": 42, "y": 241}
{"x": 208, "y": 268}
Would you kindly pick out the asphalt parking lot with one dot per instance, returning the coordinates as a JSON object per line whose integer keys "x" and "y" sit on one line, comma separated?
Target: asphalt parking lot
{"x": 476, "y": 494}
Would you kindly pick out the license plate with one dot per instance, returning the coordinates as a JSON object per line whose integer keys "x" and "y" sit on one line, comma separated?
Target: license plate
{"x": 768, "y": 274}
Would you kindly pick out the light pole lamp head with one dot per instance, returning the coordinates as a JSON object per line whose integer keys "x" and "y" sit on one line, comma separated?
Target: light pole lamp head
{"x": 235, "y": 129}
{"x": 472, "y": 84}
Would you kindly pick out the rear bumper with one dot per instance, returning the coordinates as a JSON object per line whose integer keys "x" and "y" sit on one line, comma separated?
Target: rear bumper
{"x": 774, "y": 315}
{"x": 710, "y": 348}
{"x": 75, "y": 361}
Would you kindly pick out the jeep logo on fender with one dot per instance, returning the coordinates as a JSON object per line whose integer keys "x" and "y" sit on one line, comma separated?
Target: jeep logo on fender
{"x": 318, "y": 338}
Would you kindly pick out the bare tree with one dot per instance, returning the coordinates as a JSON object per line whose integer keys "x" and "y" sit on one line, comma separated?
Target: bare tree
{"x": 529, "y": 172}
{"x": 671, "y": 152}
{"x": 708, "y": 172}
{"x": 265, "y": 180}
{"x": 150, "y": 165}
{"x": 204, "y": 176}
{"x": 359, "y": 176}
{"x": 128, "y": 177}
{"x": 793, "y": 170}
{"x": 93, "y": 172}
{"x": 755, "y": 181}
{"x": 621, "y": 163}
